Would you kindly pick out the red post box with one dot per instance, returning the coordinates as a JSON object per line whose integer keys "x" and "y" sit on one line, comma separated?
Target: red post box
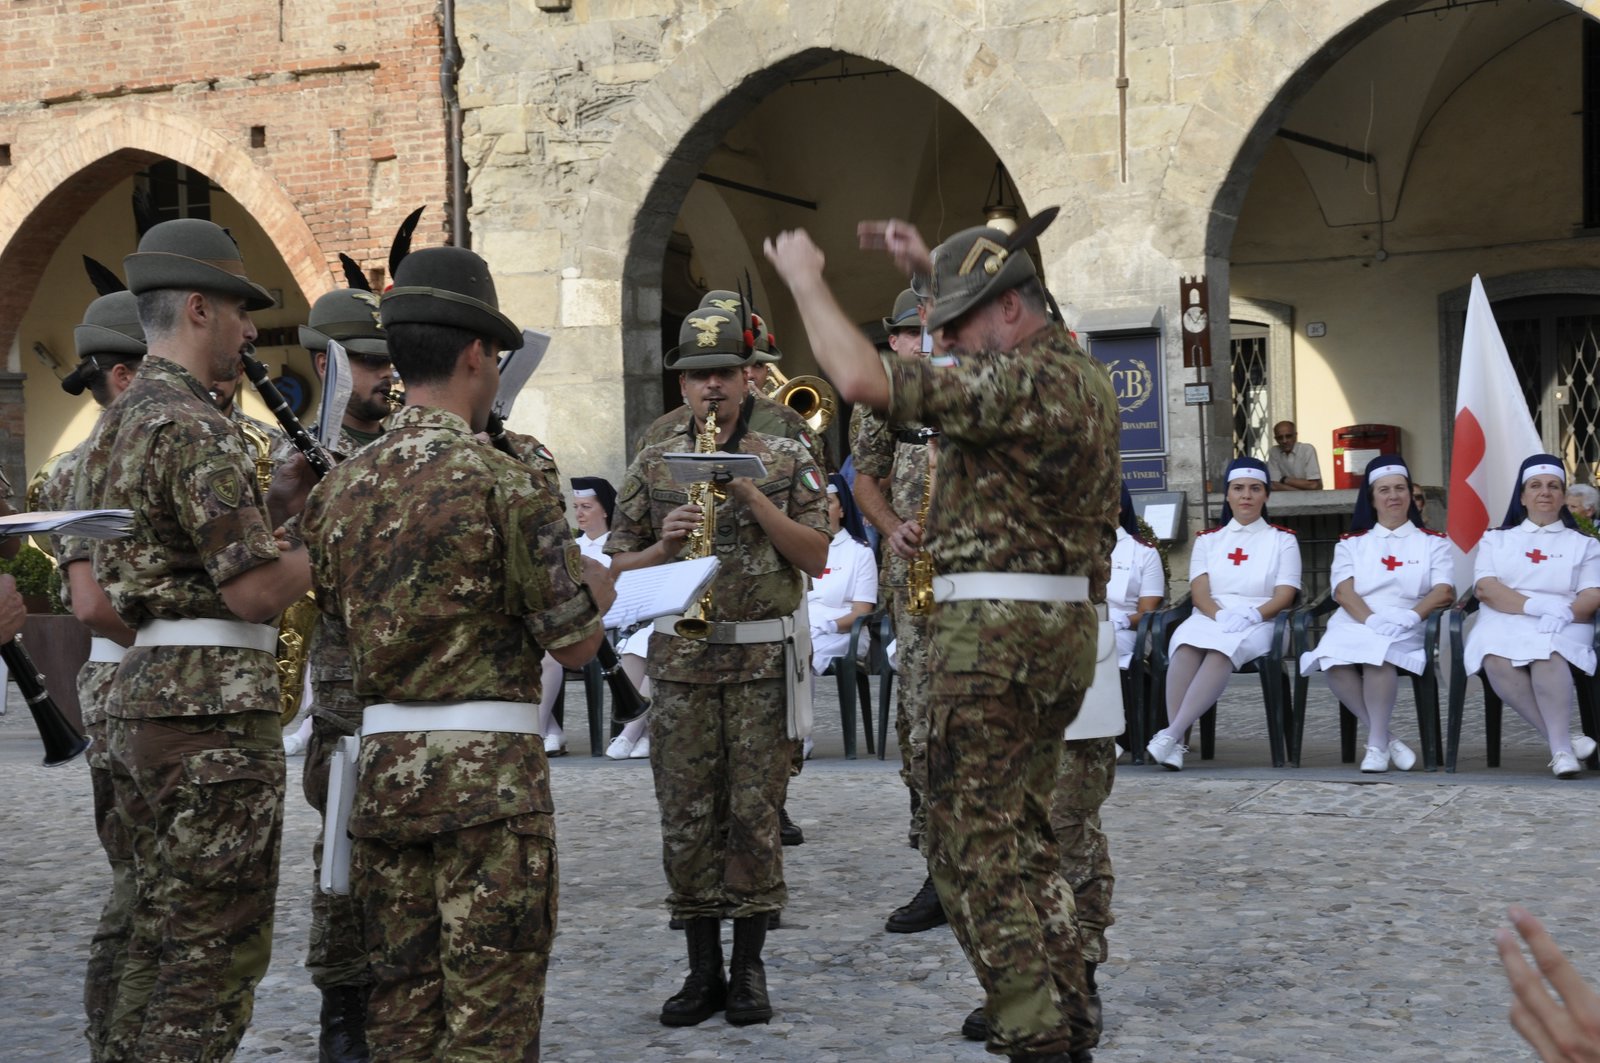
{"x": 1357, "y": 444}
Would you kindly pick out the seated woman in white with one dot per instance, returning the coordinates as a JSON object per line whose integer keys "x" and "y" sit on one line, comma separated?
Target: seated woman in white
{"x": 848, "y": 586}
{"x": 593, "y": 502}
{"x": 1137, "y": 584}
{"x": 1389, "y": 573}
{"x": 1241, "y": 575}
{"x": 1538, "y": 582}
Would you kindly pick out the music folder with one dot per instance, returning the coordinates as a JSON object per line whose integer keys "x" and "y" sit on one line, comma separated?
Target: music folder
{"x": 82, "y": 523}
{"x": 662, "y": 590}
{"x": 692, "y": 467}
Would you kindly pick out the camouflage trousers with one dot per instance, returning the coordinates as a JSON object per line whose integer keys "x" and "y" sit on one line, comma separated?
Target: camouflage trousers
{"x": 108, "y": 944}
{"x": 720, "y": 754}
{"x": 211, "y": 790}
{"x": 459, "y": 926}
{"x": 994, "y": 748}
{"x": 1083, "y": 783}
{"x": 911, "y": 709}
{"x": 336, "y": 955}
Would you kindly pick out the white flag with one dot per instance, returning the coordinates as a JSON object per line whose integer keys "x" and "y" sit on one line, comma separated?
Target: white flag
{"x": 1493, "y": 436}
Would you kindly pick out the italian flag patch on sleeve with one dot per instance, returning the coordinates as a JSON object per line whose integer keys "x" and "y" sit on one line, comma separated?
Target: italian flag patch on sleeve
{"x": 811, "y": 478}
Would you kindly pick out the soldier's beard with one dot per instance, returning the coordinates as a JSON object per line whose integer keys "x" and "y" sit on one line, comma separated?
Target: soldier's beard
{"x": 372, "y": 408}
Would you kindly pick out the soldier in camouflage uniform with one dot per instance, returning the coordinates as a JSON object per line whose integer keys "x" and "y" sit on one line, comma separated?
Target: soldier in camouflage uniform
{"x": 719, "y": 744}
{"x": 337, "y": 955}
{"x": 110, "y": 346}
{"x": 1021, "y": 532}
{"x": 452, "y": 569}
{"x": 193, "y": 714}
{"x": 901, "y": 455}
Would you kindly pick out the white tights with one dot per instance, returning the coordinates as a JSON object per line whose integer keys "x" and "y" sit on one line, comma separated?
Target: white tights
{"x": 1369, "y": 692}
{"x": 1195, "y": 680}
{"x": 1541, "y": 693}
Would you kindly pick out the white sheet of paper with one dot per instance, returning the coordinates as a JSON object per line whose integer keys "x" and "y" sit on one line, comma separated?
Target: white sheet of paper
{"x": 1161, "y": 517}
{"x": 646, "y": 593}
{"x": 83, "y": 523}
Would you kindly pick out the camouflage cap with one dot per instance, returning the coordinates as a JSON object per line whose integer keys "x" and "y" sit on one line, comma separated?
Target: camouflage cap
{"x": 709, "y": 339}
{"x": 191, "y": 254}
{"x": 111, "y": 326}
{"x": 972, "y": 267}
{"x": 904, "y": 314}
{"x": 448, "y": 286}
{"x": 349, "y": 315}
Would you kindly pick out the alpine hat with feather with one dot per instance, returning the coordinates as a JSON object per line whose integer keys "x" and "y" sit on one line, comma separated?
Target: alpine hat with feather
{"x": 448, "y": 286}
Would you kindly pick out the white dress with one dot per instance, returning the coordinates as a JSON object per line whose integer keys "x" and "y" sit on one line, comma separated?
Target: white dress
{"x": 851, "y": 576}
{"x": 595, "y": 548}
{"x": 1135, "y": 574}
{"x": 1392, "y": 570}
{"x": 1553, "y": 563}
{"x": 1244, "y": 562}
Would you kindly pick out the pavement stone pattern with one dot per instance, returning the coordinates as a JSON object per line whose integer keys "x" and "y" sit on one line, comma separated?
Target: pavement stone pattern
{"x": 1311, "y": 914}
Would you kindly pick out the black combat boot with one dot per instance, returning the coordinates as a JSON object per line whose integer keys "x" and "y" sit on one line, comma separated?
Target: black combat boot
{"x": 704, "y": 992}
{"x": 975, "y": 1027}
{"x": 922, "y": 912}
{"x": 344, "y": 1025}
{"x": 789, "y": 832}
{"x": 1095, "y": 1013}
{"x": 747, "y": 975}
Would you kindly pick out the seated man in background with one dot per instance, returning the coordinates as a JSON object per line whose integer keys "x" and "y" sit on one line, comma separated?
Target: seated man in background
{"x": 1294, "y": 465}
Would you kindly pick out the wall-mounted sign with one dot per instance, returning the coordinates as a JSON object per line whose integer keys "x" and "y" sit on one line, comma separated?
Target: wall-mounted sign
{"x": 1197, "y": 394}
{"x": 1137, "y": 372}
{"x": 1145, "y": 474}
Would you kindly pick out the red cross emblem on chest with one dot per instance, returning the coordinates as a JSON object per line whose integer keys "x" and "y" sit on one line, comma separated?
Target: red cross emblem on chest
{"x": 1535, "y": 556}
{"x": 1238, "y": 556}
{"x": 1391, "y": 562}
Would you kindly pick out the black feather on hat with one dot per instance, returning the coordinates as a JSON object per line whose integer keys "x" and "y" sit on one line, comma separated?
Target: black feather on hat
{"x": 105, "y": 282}
{"x": 352, "y": 273}
{"x": 401, "y": 247}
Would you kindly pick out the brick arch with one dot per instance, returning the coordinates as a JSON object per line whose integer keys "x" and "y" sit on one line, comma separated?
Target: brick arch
{"x": 721, "y": 75}
{"x": 42, "y": 198}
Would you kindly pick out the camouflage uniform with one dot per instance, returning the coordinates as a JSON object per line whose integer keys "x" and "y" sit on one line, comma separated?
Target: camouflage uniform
{"x": 109, "y": 943}
{"x": 449, "y": 589}
{"x": 1028, "y": 482}
{"x": 194, "y": 727}
{"x": 336, "y": 954}
{"x": 904, "y": 466}
{"x": 762, "y": 416}
{"x": 1088, "y": 770}
{"x": 719, "y": 745}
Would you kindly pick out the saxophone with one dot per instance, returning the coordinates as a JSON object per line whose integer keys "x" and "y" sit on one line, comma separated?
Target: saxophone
{"x": 704, "y": 494}
{"x": 919, "y": 573}
{"x": 297, "y": 622}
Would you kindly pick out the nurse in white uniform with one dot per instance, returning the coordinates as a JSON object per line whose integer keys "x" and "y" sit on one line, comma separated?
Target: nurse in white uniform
{"x": 1241, "y": 575}
{"x": 1389, "y": 573}
{"x": 1137, "y": 585}
{"x": 1538, "y": 582}
{"x": 848, "y": 586}
{"x": 593, "y": 500}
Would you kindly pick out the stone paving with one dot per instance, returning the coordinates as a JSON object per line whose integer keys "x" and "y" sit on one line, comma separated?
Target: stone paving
{"x": 1264, "y": 915}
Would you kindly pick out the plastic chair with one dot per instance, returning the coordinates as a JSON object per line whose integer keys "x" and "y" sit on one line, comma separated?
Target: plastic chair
{"x": 1274, "y": 695}
{"x": 855, "y": 687}
{"x": 1424, "y": 689}
{"x": 594, "y": 691}
{"x": 1583, "y": 686}
{"x": 1136, "y": 682}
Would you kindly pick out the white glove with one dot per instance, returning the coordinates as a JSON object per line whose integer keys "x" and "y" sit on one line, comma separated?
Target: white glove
{"x": 1234, "y": 621}
{"x": 1384, "y": 624}
{"x": 820, "y": 628}
{"x": 1554, "y": 610}
{"x": 1119, "y": 621}
{"x": 1552, "y": 625}
{"x": 1404, "y": 619}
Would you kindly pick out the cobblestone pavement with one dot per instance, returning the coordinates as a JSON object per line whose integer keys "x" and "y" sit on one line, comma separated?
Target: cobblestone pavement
{"x": 1308, "y": 915}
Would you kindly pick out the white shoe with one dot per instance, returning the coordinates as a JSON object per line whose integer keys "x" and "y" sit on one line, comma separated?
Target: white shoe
{"x": 1165, "y": 751}
{"x": 293, "y": 745}
{"x": 641, "y": 749}
{"x": 806, "y": 748}
{"x": 620, "y": 748}
{"x": 1582, "y": 746}
{"x": 1376, "y": 760}
{"x": 1120, "y": 751}
{"x": 1564, "y": 766}
{"x": 1401, "y": 755}
{"x": 555, "y": 745}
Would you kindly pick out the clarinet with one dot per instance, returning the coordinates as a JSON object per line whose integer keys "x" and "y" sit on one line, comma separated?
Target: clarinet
{"x": 321, "y": 461}
{"x": 62, "y": 742}
{"x": 627, "y": 704}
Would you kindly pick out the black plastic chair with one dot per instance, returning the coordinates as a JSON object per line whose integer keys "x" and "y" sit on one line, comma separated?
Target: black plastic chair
{"x": 855, "y": 685}
{"x": 1583, "y": 685}
{"x": 1274, "y": 695}
{"x": 1136, "y": 682}
{"x": 594, "y": 691}
{"x": 1424, "y": 689}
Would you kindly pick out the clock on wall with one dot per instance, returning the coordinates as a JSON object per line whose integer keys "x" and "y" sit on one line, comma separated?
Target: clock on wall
{"x": 1194, "y": 297}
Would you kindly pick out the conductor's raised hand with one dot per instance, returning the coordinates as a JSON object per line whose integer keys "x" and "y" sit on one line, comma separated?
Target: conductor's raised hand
{"x": 902, "y": 242}
{"x": 795, "y": 256}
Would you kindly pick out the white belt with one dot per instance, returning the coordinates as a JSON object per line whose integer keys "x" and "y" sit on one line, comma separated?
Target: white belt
{"x": 742, "y": 633}
{"x": 513, "y": 717}
{"x": 105, "y": 651}
{"x": 235, "y": 634}
{"x": 1010, "y": 586}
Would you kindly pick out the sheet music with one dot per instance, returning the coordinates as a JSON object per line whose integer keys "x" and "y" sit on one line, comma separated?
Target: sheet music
{"x": 690, "y": 466}
{"x": 646, "y": 593}
{"x": 83, "y": 523}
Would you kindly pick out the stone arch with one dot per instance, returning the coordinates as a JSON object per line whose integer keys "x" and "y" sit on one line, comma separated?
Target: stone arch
{"x": 41, "y": 198}
{"x": 746, "y": 53}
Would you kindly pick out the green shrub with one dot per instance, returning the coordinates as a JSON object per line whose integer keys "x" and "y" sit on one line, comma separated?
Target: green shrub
{"x": 35, "y": 575}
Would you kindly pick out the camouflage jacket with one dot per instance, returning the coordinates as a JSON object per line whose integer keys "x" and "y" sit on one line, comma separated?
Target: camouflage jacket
{"x": 762, "y": 416}
{"x": 904, "y": 465}
{"x": 537, "y": 456}
{"x": 449, "y": 589}
{"x": 754, "y": 582}
{"x": 1029, "y": 481}
{"x": 328, "y": 658}
{"x": 199, "y": 521}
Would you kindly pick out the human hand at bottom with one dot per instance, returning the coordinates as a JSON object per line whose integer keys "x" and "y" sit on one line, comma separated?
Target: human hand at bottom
{"x": 1565, "y": 1030}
